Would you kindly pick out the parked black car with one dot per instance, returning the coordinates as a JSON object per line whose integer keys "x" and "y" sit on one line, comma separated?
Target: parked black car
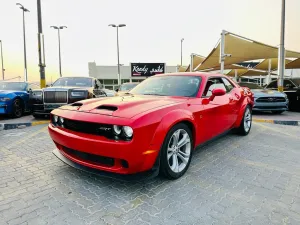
{"x": 64, "y": 91}
{"x": 291, "y": 87}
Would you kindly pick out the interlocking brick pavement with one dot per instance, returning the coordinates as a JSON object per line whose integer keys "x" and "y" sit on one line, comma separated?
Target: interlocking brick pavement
{"x": 234, "y": 180}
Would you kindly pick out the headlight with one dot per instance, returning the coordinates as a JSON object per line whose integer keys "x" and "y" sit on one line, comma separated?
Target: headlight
{"x": 285, "y": 95}
{"x": 77, "y": 94}
{"x": 117, "y": 129}
{"x": 4, "y": 99}
{"x": 128, "y": 131}
{"x": 61, "y": 120}
{"x": 38, "y": 93}
{"x": 55, "y": 118}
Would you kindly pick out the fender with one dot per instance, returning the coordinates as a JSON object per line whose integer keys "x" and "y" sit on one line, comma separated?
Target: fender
{"x": 246, "y": 102}
{"x": 167, "y": 122}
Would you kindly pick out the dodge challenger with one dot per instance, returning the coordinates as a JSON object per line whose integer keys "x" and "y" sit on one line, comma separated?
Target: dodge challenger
{"x": 152, "y": 129}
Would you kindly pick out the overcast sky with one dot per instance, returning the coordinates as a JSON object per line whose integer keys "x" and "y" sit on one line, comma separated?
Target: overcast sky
{"x": 153, "y": 32}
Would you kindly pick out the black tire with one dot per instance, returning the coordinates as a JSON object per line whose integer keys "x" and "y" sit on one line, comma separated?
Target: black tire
{"x": 165, "y": 168}
{"x": 243, "y": 129}
{"x": 18, "y": 108}
{"x": 277, "y": 112}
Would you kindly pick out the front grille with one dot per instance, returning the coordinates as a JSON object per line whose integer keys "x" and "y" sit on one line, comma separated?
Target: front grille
{"x": 90, "y": 158}
{"x": 55, "y": 97}
{"x": 269, "y": 107}
{"x": 89, "y": 128}
{"x": 271, "y": 99}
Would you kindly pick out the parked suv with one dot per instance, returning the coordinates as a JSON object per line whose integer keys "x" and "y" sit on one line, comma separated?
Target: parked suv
{"x": 291, "y": 88}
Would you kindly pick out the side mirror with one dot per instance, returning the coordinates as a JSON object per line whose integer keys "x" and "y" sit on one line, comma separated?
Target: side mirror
{"x": 215, "y": 92}
{"x": 29, "y": 90}
{"x": 117, "y": 89}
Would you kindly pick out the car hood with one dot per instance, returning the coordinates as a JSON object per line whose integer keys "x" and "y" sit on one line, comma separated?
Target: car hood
{"x": 4, "y": 93}
{"x": 266, "y": 93}
{"x": 123, "y": 106}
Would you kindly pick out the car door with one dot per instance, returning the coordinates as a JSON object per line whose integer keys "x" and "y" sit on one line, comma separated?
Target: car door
{"x": 216, "y": 114}
{"x": 234, "y": 95}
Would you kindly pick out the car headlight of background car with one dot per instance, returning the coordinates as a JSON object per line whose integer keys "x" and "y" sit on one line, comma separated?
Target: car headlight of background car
{"x": 4, "y": 99}
{"x": 114, "y": 132}
{"x": 38, "y": 93}
{"x": 78, "y": 93}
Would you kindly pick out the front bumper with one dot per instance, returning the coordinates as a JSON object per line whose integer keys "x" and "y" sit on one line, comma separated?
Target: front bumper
{"x": 273, "y": 106}
{"x": 3, "y": 109}
{"x": 97, "y": 152}
{"x": 44, "y": 109}
{"x": 153, "y": 172}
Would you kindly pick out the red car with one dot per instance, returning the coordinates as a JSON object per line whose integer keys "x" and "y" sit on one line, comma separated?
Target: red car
{"x": 154, "y": 128}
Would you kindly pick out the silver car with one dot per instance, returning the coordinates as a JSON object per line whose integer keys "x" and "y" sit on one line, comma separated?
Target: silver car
{"x": 267, "y": 100}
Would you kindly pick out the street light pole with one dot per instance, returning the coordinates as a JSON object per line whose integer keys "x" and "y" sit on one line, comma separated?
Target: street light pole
{"x": 24, "y": 37}
{"x": 41, "y": 49}
{"x": 281, "y": 60}
{"x": 2, "y": 60}
{"x": 58, "y": 28}
{"x": 182, "y": 39}
{"x": 118, "y": 52}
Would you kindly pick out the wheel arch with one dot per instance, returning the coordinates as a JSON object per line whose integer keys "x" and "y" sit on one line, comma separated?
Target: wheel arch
{"x": 246, "y": 103}
{"x": 169, "y": 121}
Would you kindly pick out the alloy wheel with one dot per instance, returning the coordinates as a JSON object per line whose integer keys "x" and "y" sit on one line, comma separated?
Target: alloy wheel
{"x": 179, "y": 150}
{"x": 247, "y": 120}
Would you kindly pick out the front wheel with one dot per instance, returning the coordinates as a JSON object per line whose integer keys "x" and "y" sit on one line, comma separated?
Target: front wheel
{"x": 176, "y": 152}
{"x": 246, "y": 122}
{"x": 17, "y": 108}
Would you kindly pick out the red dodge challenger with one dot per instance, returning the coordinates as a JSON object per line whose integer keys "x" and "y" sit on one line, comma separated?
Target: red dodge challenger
{"x": 152, "y": 129}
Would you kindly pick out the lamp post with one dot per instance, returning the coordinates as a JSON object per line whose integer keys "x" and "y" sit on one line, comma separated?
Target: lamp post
{"x": 117, "y": 26}
{"x": 2, "y": 60}
{"x": 182, "y": 39}
{"x": 281, "y": 56}
{"x": 41, "y": 49}
{"x": 24, "y": 37}
{"x": 58, "y": 28}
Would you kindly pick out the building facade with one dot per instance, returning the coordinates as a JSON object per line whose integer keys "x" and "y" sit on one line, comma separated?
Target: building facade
{"x": 108, "y": 75}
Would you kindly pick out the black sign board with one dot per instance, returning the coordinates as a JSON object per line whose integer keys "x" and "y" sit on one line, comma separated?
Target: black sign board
{"x": 147, "y": 69}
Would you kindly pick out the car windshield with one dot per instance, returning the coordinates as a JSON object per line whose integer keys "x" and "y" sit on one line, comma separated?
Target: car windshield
{"x": 73, "y": 82}
{"x": 185, "y": 86}
{"x": 13, "y": 86}
{"x": 127, "y": 87}
{"x": 296, "y": 81}
{"x": 250, "y": 85}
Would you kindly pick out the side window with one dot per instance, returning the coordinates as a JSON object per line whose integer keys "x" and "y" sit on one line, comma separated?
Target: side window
{"x": 288, "y": 84}
{"x": 100, "y": 86}
{"x": 273, "y": 84}
{"x": 212, "y": 84}
{"x": 228, "y": 85}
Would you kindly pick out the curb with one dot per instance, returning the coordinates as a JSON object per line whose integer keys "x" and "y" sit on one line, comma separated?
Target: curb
{"x": 9, "y": 126}
{"x": 281, "y": 122}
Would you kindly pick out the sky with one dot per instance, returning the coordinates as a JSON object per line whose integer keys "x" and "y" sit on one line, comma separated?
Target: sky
{"x": 153, "y": 32}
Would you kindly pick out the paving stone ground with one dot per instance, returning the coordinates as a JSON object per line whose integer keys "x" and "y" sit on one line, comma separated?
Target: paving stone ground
{"x": 234, "y": 180}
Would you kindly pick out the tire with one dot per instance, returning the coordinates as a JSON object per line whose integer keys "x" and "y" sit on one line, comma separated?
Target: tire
{"x": 182, "y": 155}
{"x": 18, "y": 108}
{"x": 246, "y": 122}
{"x": 277, "y": 112}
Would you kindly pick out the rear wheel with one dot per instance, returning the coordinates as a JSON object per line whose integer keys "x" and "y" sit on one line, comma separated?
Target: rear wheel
{"x": 17, "y": 108}
{"x": 176, "y": 152}
{"x": 246, "y": 122}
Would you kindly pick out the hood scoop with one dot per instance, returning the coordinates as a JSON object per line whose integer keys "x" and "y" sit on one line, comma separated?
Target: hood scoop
{"x": 107, "y": 107}
{"x": 77, "y": 104}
